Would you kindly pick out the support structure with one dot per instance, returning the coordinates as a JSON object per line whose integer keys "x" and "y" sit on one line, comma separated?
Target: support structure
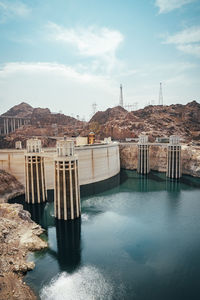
{"x": 66, "y": 184}
{"x": 174, "y": 157}
{"x": 34, "y": 173}
{"x": 143, "y": 155}
{"x": 9, "y": 124}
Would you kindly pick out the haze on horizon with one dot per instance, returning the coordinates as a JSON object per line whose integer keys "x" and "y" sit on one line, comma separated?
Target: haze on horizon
{"x": 67, "y": 54}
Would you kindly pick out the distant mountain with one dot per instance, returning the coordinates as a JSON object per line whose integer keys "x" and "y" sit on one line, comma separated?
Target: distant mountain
{"x": 183, "y": 120}
{"x": 22, "y": 110}
{"x": 155, "y": 121}
{"x": 39, "y": 115}
{"x": 43, "y": 123}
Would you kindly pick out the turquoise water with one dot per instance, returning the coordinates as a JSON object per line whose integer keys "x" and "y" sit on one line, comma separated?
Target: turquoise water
{"x": 140, "y": 239}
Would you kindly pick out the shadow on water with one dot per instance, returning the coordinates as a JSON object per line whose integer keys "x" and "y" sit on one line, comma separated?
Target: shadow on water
{"x": 101, "y": 186}
{"x": 41, "y": 213}
{"x": 68, "y": 254}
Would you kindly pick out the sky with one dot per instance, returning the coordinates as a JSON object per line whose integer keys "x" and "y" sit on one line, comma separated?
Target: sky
{"x": 68, "y": 54}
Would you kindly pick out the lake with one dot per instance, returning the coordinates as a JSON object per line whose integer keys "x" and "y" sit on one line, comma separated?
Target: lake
{"x": 138, "y": 238}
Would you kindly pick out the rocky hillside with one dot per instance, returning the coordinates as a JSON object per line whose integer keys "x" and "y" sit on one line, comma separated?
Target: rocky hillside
{"x": 155, "y": 121}
{"x": 42, "y": 116}
{"x": 43, "y": 123}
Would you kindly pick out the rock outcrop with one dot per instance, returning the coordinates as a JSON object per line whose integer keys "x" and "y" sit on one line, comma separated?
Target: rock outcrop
{"x": 10, "y": 187}
{"x": 18, "y": 235}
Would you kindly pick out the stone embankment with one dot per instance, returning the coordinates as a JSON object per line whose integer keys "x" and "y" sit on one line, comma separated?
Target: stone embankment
{"x": 18, "y": 235}
{"x": 10, "y": 187}
{"x": 158, "y": 158}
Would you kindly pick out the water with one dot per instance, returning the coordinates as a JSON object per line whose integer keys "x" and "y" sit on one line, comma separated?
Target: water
{"x": 137, "y": 240}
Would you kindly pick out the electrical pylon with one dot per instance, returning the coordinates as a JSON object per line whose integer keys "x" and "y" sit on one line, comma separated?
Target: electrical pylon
{"x": 121, "y": 97}
{"x": 160, "y": 101}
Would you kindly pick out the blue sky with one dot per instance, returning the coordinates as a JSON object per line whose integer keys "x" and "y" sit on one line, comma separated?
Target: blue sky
{"x": 66, "y": 54}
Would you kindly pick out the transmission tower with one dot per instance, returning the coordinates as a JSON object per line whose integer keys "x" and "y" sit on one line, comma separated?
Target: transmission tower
{"x": 121, "y": 97}
{"x": 94, "y": 108}
{"x": 160, "y": 102}
{"x": 129, "y": 107}
{"x": 135, "y": 105}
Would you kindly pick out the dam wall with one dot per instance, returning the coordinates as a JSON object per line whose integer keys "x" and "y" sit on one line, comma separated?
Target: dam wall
{"x": 96, "y": 163}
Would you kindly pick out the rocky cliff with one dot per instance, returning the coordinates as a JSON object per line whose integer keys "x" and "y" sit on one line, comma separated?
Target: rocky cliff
{"x": 18, "y": 235}
{"x": 158, "y": 158}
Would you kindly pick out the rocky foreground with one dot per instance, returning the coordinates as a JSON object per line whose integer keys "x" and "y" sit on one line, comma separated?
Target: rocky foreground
{"x": 18, "y": 235}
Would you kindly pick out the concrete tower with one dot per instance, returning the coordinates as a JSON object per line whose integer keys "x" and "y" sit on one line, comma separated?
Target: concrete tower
{"x": 143, "y": 155}
{"x": 174, "y": 157}
{"x": 66, "y": 185}
{"x": 34, "y": 173}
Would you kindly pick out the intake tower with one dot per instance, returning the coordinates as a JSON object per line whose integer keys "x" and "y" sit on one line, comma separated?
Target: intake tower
{"x": 66, "y": 184}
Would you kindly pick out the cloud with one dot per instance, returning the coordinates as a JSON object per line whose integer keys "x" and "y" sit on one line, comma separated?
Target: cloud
{"x": 188, "y": 40}
{"x": 190, "y": 49}
{"x": 188, "y": 35}
{"x": 55, "y": 85}
{"x": 10, "y": 9}
{"x": 97, "y": 43}
{"x": 166, "y": 6}
{"x": 74, "y": 89}
{"x": 89, "y": 42}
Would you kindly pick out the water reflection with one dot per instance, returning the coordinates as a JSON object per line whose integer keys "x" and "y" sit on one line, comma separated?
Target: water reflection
{"x": 68, "y": 252}
{"x": 173, "y": 186}
{"x": 143, "y": 183}
{"x": 155, "y": 181}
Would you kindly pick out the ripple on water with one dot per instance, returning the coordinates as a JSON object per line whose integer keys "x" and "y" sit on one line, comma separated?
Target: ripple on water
{"x": 88, "y": 283}
{"x": 84, "y": 217}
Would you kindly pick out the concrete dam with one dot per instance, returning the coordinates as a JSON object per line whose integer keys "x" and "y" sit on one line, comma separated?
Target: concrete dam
{"x": 96, "y": 163}
{"x": 66, "y": 167}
